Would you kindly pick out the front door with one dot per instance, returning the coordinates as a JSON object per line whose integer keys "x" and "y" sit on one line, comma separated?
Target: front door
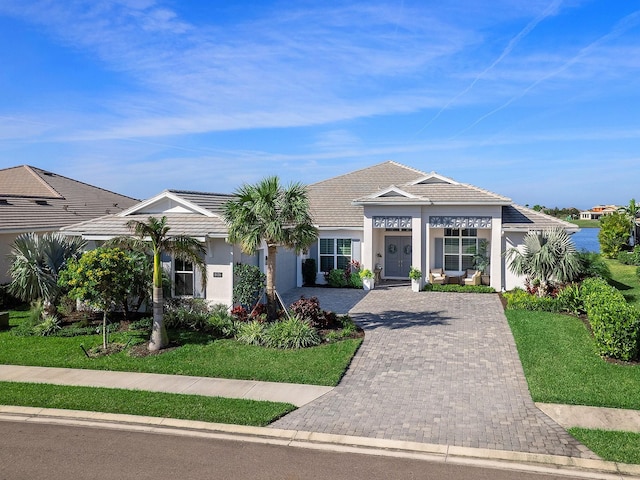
{"x": 397, "y": 256}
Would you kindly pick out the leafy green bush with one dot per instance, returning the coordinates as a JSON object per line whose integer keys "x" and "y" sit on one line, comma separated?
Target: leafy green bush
{"x": 186, "y": 314}
{"x": 355, "y": 281}
{"x": 615, "y": 323}
{"x": 614, "y": 234}
{"x": 144, "y": 324}
{"x": 336, "y": 278}
{"x": 518, "y": 299}
{"x": 309, "y": 270}
{"x": 569, "y": 299}
{"x": 291, "y": 333}
{"x": 221, "y": 322}
{"x": 434, "y": 287}
{"x": 630, "y": 258}
{"x": 49, "y": 326}
{"x": 593, "y": 265}
{"x": 251, "y": 333}
{"x": 248, "y": 285}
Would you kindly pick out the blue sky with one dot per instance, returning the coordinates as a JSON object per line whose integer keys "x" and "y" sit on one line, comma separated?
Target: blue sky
{"x": 536, "y": 100}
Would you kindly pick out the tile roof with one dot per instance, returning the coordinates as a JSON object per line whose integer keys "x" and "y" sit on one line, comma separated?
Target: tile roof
{"x": 331, "y": 200}
{"x": 190, "y": 224}
{"x": 33, "y": 199}
{"x": 517, "y": 217}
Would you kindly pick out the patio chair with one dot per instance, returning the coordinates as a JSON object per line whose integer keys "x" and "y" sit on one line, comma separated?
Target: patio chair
{"x": 437, "y": 276}
{"x": 473, "y": 277}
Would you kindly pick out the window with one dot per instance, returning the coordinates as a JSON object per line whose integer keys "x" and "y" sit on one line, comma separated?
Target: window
{"x": 334, "y": 253}
{"x": 460, "y": 246}
{"x": 183, "y": 278}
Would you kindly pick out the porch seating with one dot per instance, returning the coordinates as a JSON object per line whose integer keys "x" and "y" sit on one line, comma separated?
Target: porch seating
{"x": 437, "y": 276}
{"x": 472, "y": 277}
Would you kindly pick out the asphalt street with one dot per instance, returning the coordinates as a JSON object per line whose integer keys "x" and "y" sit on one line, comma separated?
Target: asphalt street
{"x": 55, "y": 452}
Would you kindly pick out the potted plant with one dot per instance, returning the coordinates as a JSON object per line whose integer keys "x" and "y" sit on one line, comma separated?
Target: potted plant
{"x": 416, "y": 279}
{"x": 367, "y": 279}
{"x": 481, "y": 260}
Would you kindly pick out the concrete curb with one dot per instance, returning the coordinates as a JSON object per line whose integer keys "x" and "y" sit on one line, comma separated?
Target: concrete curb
{"x": 500, "y": 459}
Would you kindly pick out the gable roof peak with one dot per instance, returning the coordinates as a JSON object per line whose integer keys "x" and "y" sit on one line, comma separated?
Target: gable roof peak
{"x": 371, "y": 170}
{"x": 434, "y": 177}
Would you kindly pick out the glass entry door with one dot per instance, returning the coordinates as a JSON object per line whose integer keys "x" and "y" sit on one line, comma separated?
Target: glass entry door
{"x": 397, "y": 256}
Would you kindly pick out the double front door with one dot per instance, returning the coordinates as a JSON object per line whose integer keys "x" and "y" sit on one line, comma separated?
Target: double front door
{"x": 397, "y": 256}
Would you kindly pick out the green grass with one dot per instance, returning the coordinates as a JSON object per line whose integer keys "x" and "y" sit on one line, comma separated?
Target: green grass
{"x": 168, "y": 405}
{"x": 621, "y": 447}
{"x": 561, "y": 364}
{"x": 198, "y": 356}
{"x": 624, "y": 278}
{"x": 586, "y": 223}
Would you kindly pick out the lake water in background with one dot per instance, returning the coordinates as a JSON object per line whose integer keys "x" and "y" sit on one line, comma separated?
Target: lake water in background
{"x": 587, "y": 239}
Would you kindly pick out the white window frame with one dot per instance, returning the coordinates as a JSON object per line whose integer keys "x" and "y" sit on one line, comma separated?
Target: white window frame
{"x": 335, "y": 253}
{"x": 184, "y": 271}
{"x": 458, "y": 240}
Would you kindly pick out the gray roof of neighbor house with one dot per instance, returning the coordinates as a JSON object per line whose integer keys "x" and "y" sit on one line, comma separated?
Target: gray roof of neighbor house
{"x": 516, "y": 217}
{"x": 33, "y": 199}
{"x": 189, "y": 224}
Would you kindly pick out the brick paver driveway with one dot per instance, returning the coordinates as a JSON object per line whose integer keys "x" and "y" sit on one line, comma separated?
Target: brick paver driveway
{"x": 435, "y": 368}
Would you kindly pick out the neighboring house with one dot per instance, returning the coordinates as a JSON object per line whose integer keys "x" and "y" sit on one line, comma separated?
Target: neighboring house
{"x": 198, "y": 215}
{"x": 36, "y": 200}
{"x": 387, "y": 214}
{"x": 598, "y": 211}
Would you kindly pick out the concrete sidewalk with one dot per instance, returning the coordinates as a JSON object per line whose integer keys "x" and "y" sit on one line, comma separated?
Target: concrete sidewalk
{"x": 565, "y": 415}
{"x": 295, "y": 394}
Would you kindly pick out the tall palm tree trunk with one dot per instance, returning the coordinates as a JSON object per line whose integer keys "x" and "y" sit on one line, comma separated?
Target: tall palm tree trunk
{"x": 272, "y": 305}
{"x": 159, "y": 338}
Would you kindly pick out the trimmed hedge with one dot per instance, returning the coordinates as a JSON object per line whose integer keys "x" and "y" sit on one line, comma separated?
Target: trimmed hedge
{"x": 434, "y": 287}
{"x": 615, "y": 323}
{"x": 518, "y": 299}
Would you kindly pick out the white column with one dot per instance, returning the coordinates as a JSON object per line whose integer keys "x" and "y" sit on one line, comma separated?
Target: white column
{"x": 496, "y": 253}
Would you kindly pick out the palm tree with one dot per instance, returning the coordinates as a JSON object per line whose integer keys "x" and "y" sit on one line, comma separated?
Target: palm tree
{"x": 276, "y": 215}
{"x": 632, "y": 211}
{"x": 154, "y": 234}
{"x": 36, "y": 262}
{"x": 547, "y": 256}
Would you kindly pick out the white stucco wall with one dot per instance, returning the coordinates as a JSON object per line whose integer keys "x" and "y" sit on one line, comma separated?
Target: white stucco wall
{"x": 5, "y": 263}
{"x": 510, "y": 240}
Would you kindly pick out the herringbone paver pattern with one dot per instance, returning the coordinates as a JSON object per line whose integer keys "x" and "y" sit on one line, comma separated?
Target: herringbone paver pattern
{"x": 435, "y": 368}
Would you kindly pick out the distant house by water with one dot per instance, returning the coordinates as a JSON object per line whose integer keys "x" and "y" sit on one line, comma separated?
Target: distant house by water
{"x": 598, "y": 211}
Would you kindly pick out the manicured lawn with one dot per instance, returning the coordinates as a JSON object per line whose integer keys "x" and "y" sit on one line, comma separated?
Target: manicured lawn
{"x": 586, "y": 223}
{"x": 624, "y": 278}
{"x": 198, "y": 356}
{"x": 168, "y": 405}
{"x": 621, "y": 447}
{"x": 561, "y": 364}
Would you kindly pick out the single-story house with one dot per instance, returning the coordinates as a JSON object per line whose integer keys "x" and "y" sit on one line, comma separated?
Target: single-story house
{"x": 388, "y": 216}
{"x": 36, "y": 200}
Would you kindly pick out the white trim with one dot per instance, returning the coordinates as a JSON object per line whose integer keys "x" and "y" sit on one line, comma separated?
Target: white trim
{"x": 393, "y": 189}
{"x": 436, "y": 176}
{"x": 166, "y": 194}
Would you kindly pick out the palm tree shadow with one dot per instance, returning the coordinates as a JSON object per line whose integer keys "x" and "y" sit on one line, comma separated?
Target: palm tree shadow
{"x": 620, "y": 286}
{"x": 397, "y": 319}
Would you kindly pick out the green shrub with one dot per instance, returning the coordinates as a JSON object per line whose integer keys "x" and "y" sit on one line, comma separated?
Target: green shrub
{"x": 250, "y": 282}
{"x": 615, "y": 323}
{"x": 291, "y": 333}
{"x": 144, "y": 324}
{"x": 355, "y": 281}
{"x": 36, "y": 313}
{"x": 221, "y": 322}
{"x": 435, "y": 287}
{"x": 518, "y": 299}
{"x": 593, "y": 265}
{"x": 309, "y": 271}
{"x": 569, "y": 299}
{"x": 49, "y": 326}
{"x": 336, "y": 278}
{"x": 186, "y": 314}
{"x": 630, "y": 258}
{"x": 251, "y": 333}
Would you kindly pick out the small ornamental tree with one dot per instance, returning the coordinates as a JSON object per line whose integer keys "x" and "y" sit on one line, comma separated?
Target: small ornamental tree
{"x": 250, "y": 282}
{"x": 101, "y": 277}
{"x": 614, "y": 233}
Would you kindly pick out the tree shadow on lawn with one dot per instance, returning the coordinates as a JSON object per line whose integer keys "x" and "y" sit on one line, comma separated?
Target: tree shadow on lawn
{"x": 620, "y": 286}
{"x": 397, "y": 319}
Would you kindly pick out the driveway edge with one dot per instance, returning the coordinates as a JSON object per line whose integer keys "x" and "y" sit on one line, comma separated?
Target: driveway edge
{"x": 500, "y": 459}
